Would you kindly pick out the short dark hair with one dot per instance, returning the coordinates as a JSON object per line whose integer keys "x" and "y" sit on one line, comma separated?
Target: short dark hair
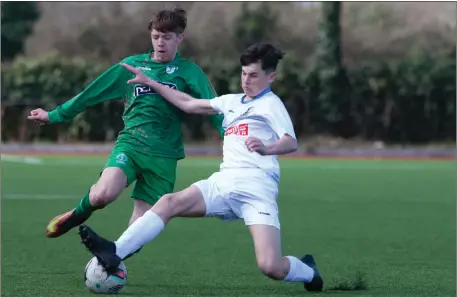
{"x": 169, "y": 20}
{"x": 267, "y": 54}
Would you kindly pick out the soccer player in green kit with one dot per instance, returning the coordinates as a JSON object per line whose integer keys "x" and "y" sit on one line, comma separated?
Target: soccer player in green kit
{"x": 149, "y": 146}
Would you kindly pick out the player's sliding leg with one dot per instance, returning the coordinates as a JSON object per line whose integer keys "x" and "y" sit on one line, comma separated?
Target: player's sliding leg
{"x": 267, "y": 244}
{"x": 111, "y": 183}
{"x": 187, "y": 203}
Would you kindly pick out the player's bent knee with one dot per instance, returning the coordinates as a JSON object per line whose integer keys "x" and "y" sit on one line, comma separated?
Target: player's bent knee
{"x": 270, "y": 268}
{"x": 100, "y": 195}
{"x": 169, "y": 201}
{"x": 164, "y": 207}
{"x": 111, "y": 183}
{"x": 175, "y": 204}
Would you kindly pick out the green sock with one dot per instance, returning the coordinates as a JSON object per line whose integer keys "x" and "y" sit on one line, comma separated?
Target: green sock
{"x": 84, "y": 207}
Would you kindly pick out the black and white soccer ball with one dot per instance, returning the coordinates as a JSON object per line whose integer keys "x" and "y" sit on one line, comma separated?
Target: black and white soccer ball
{"x": 97, "y": 280}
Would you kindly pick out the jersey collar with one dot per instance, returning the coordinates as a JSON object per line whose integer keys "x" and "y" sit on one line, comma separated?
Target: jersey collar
{"x": 261, "y": 94}
{"x": 149, "y": 58}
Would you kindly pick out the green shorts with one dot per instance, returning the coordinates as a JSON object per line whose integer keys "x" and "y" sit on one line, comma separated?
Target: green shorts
{"x": 155, "y": 176}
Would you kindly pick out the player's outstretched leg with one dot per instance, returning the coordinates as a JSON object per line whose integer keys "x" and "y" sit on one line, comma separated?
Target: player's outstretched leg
{"x": 317, "y": 283}
{"x": 109, "y": 186}
{"x": 267, "y": 245}
{"x": 187, "y": 203}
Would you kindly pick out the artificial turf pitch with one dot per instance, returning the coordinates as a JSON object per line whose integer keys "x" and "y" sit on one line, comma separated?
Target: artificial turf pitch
{"x": 389, "y": 224}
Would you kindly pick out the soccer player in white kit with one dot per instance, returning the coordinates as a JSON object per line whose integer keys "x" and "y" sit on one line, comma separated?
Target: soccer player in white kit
{"x": 257, "y": 129}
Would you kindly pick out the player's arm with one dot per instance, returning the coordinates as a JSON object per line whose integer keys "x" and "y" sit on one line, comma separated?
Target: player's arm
{"x": 285, "y": 145}
{"x": 203, "y": 89}
{"x": 181, "y": 100}
{"x": 107, "y": 86}
{"x": 279, "y": 120}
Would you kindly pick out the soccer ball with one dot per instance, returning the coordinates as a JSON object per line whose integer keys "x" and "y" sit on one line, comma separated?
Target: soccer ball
{"x": 99, "y": 281}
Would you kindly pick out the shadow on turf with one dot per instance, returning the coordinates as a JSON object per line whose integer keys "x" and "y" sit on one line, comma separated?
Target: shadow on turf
{"x": 359, "y": 283}
{"x": 223, "y": 290}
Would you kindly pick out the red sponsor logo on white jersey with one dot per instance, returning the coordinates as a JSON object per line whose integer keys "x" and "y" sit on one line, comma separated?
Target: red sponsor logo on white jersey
{"x": 241, "y": 129}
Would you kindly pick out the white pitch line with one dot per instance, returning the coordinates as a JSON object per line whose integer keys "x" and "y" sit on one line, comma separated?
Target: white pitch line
{"x": 51, "y": 162}
{"x": 22, "y": 159}
{"x": 28, "y": 160}
{"x": 39, "y": 197}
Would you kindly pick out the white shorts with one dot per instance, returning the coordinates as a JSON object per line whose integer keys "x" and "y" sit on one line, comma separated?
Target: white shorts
{"x": 248, "y": 194}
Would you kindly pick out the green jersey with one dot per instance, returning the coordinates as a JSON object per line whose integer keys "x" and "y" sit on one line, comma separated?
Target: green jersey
{"x": 151, "y": 125}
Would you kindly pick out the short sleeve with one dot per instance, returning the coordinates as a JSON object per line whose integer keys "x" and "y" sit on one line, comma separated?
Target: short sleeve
{"x": 279, "y": 120}
{"x": 219, "y": 103}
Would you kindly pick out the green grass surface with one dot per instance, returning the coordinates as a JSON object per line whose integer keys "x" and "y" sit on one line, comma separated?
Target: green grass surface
{"x": 393, "y": 221}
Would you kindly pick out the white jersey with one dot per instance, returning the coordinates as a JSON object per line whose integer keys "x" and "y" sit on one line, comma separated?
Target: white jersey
{"x": 264, "y": 117}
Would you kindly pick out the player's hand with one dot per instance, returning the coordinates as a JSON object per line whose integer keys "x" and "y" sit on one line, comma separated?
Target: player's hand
{"x": 39, "y": 116}
{"x": 139, "y": 78}
{"x": 256, "y": 145}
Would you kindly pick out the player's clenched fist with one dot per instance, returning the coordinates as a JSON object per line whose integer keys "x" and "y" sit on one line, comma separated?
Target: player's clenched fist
{"x": 40, "y": 116}
{"x": 256, "y": 145}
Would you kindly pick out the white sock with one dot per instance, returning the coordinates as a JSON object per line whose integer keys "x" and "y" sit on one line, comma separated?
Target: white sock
{"x": 299, "y": 271}
{"x": 143, "y": 230}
